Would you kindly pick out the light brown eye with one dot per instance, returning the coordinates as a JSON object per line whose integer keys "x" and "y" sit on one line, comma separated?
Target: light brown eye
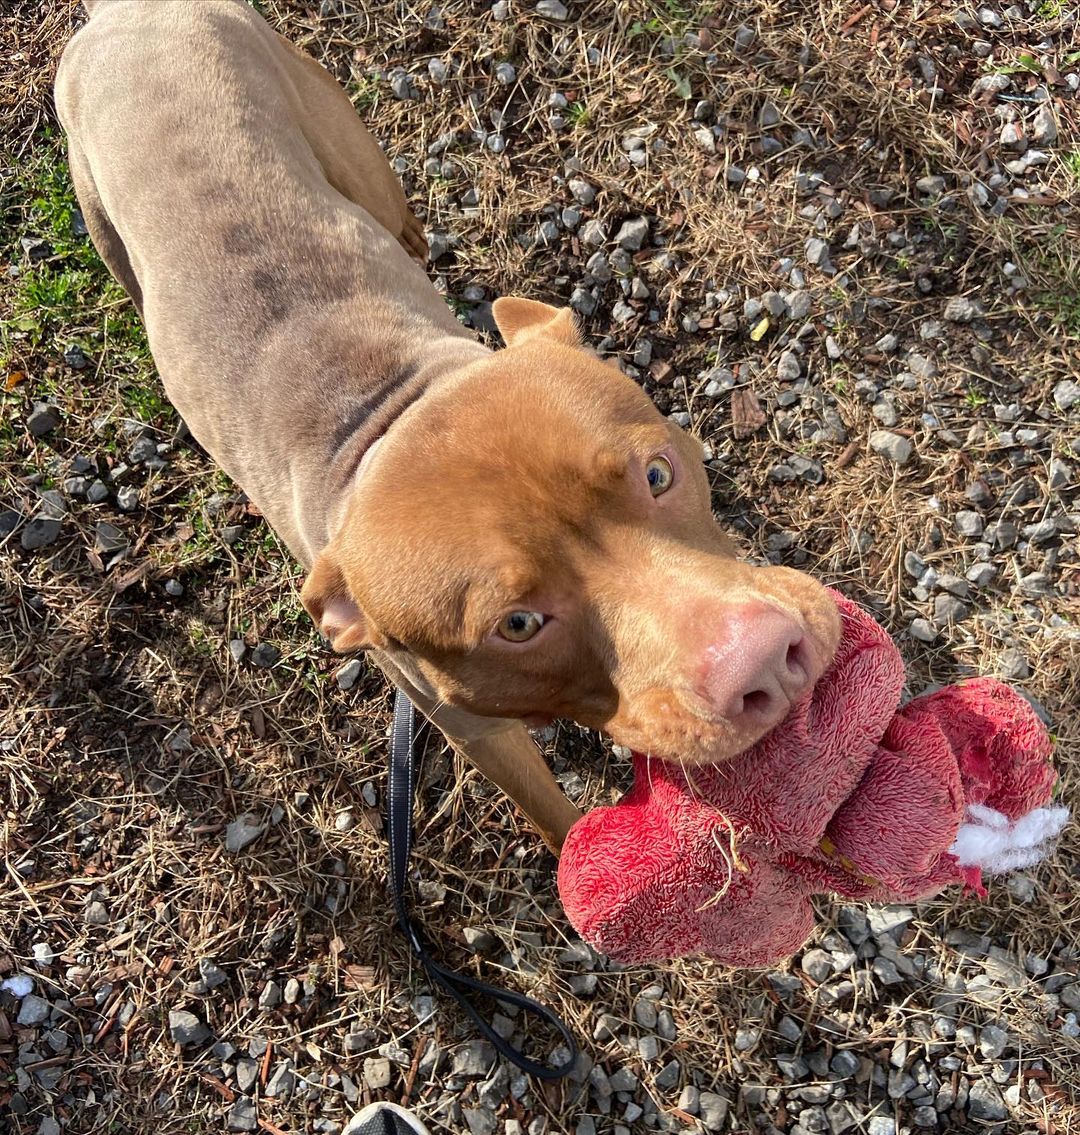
{"x": 660, "y": 475}
{"x": 520, "y": 626}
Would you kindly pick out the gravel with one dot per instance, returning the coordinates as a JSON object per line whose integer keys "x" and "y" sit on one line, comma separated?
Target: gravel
{"x": 789, "y": 368}
{"x": 969, "y": 524}
{"x": 212, "y": 975}
{"x": 965, "y": 549}
{"x": 582, "y": 191}
{"x": 108, "y": 538}
{"x": 985, "y": 1102}
{"x": 1044, "y": 131}
{"x": 817, "y": 252}
{"x": 633, "y": 234}
{"x": 897, "y": 449}
{"x": 186, "y": 1029}
{"x": 40, "y": 532}
{"x": 1066, "y": 394}
{"x": 713, "y": 1109}
{"x": 244, "y": 830}
{"x": 282, "y": 1082}
{"x": 43, "y": 419}
{"x": 817, "y": 965}
{"x": 962, "y": 309}
{"x": 242, "y": 1116}
{"x": 552, "y": 10}
{"x": 96, "y": 913}
{"x": 265, "y": 655}
{"x": 474, "y": 1058}
{"x": 33, "y": 1010}
{"x": 377, "y": 1072}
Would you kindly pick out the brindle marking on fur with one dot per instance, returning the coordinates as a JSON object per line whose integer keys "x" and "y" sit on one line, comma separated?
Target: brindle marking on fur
{"x": 239, "y": 238}
{"x": 272, "y": 284}
{"x": 392, "y": 379}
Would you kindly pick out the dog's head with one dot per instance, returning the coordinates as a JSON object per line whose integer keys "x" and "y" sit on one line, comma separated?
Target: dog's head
{"x": 538, "y": 540}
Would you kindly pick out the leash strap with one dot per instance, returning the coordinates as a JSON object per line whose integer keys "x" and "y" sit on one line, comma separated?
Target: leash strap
{"x": 458, "y": 985}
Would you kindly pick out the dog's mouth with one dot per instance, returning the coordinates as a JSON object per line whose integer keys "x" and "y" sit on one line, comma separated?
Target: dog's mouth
{"x": 680, "y": 723}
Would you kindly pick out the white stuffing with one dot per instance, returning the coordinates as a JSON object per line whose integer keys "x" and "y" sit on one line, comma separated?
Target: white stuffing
{"x": 987, "y": 817}
{"x": 991, "y": 841}
{"x": 18, "y": 986}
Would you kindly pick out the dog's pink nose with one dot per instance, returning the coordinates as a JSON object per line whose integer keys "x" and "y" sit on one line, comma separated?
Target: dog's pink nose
{"x": 761, "y": 665}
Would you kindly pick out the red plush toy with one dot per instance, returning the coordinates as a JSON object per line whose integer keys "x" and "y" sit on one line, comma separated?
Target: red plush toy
{"x": 849, "y": 795}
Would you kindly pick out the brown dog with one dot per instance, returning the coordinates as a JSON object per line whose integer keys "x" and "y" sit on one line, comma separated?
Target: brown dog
{"x": 517, "y": 535}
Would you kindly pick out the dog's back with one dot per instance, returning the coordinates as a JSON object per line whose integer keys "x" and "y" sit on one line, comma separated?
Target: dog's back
{"x": 231, "y": 188}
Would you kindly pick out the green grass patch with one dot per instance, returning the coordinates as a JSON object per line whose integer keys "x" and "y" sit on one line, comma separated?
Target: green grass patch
{"x": 1025, "y": 63}
{"x": 364, "y": 93}
{"x": 1052, "y": 266}
{"x": 64, "y": 294}
{"x": 577, "y": 114}
{"x": 666, "y": 17}
{"x": 1071, "y": 160}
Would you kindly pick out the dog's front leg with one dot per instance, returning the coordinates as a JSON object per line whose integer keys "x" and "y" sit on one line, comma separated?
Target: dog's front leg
{"x": 503, "y": 751}
{"x": 512, "y": 760}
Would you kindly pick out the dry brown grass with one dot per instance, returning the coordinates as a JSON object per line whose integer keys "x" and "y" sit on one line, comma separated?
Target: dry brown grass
{"x": 97, "y": 679}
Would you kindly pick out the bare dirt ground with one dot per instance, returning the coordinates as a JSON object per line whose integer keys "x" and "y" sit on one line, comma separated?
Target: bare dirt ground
{"x": 891, "y": 186}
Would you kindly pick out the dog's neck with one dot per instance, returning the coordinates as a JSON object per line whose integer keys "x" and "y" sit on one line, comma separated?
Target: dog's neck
{"x": 349, "y": 388}
{"x": 441, "y": 359}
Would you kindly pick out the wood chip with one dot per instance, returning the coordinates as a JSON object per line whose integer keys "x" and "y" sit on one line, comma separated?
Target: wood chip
{"x": 121, "y": 583}
{"x": 222, "y": 1089}
{"x": 853, "y": 20}
{"x": 371, "y": 820}
{"x": 661, "y": 370}
{"x": 747, "y": 416}
{"x": 258, "y": 722}
{"x": 848, "y": 455}
{"x": 360, "y": 977}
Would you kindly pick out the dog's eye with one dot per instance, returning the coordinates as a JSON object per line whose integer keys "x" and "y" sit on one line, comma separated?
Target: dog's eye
{"x": 660, "y": 475}
{"x": 520, "y": 626}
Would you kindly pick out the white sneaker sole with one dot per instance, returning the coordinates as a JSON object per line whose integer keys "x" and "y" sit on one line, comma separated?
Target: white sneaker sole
{"x": 373, "y": 1109}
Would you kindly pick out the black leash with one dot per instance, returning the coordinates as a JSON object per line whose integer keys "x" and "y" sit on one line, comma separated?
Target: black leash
{"x": 399, "y": 825}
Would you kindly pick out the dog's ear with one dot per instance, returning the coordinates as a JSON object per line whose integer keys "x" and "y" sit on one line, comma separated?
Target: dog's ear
{"x": 520, "y": 319}
{"x": 326, "y": 597}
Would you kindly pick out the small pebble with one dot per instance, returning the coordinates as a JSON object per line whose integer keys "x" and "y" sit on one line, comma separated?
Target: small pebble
{"x": 42, "y": 419}
{"x": 127, "y": 498}
{"x": 552, "y": 10}
{"x": 633, "y": 234}
{"x": 186, "y": 1029}
{"x": 968, "y": 524}
{"x": 896, "y": 448}
{"x": 96, "y": 914}
{"x": 242, "y": 831}
{"x": 713, "y": 1110}
{"x": 33, "y": 1011}
{"x": 377, "y": 1073}
{"x": 817, "y": 965}
{"x": 265, "y": 655}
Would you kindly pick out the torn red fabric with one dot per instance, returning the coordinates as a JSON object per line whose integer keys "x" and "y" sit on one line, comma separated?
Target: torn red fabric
{"x": 848, "y": 796}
